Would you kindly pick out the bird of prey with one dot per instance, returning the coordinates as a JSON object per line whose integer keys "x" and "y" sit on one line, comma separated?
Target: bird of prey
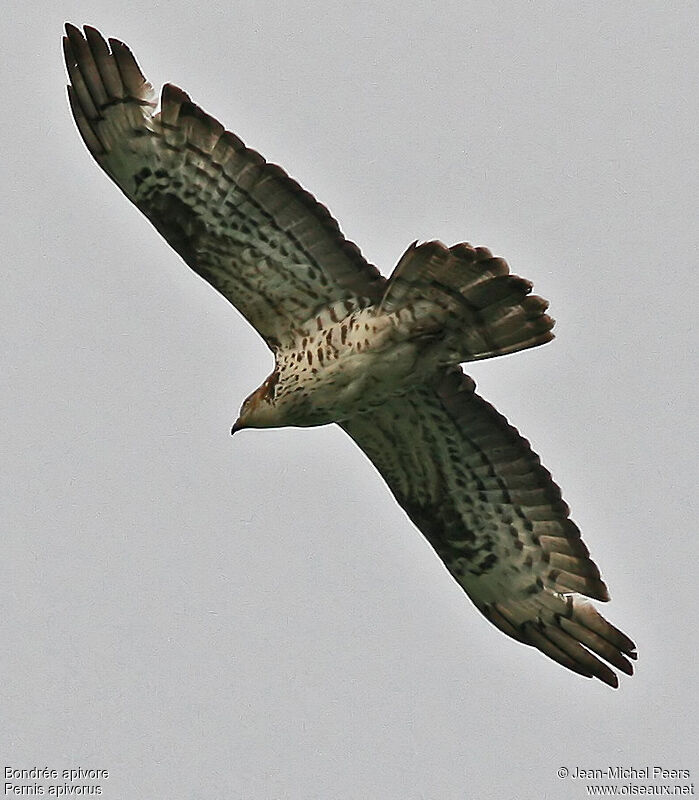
{"x": 379, "y": 357}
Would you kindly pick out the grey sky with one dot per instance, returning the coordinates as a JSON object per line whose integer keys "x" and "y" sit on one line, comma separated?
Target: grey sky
{"x": 256, "y": 618}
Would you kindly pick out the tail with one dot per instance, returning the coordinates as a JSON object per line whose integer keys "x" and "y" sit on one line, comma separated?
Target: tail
{"x": 466, "y": 299}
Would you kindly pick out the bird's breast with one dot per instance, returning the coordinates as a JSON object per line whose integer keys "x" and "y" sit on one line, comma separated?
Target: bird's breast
{"x": 343, "y": 367}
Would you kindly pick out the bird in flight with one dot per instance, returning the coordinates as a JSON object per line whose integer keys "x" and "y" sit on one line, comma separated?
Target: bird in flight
{"x": 379, "y": 357}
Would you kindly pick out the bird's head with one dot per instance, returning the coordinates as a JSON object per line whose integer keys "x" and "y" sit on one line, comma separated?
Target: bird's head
{"x": 259, "y": 409}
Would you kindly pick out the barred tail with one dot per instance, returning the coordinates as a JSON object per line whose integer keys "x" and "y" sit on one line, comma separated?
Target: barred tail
{"x": 467, "y": 298}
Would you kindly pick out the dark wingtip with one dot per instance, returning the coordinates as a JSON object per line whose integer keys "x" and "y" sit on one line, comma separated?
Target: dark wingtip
{"x": 173, "y": 93}
{"x": 73, "y": 32}
{"x": 117, "y": 42}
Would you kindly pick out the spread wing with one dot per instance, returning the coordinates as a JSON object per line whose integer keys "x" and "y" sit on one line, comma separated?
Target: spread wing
{"x": 239, "y": 222}
{"x": 479, "y": 494}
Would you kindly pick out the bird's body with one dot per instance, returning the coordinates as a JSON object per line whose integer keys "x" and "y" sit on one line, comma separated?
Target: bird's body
{"x": 335, "y": 367}
{"x": 379, "y": 357}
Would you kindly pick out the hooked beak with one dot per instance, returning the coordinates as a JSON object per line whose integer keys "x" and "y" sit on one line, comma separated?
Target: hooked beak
{"x": 237, "y": 426}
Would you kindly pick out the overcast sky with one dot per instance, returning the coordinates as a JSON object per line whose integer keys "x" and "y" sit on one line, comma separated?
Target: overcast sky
{"x": 255, "y": 618}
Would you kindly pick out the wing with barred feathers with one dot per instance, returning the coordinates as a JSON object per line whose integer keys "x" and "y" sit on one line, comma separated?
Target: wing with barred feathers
{"x": 478, "y": 493}
{"x": 239, "y": 222}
